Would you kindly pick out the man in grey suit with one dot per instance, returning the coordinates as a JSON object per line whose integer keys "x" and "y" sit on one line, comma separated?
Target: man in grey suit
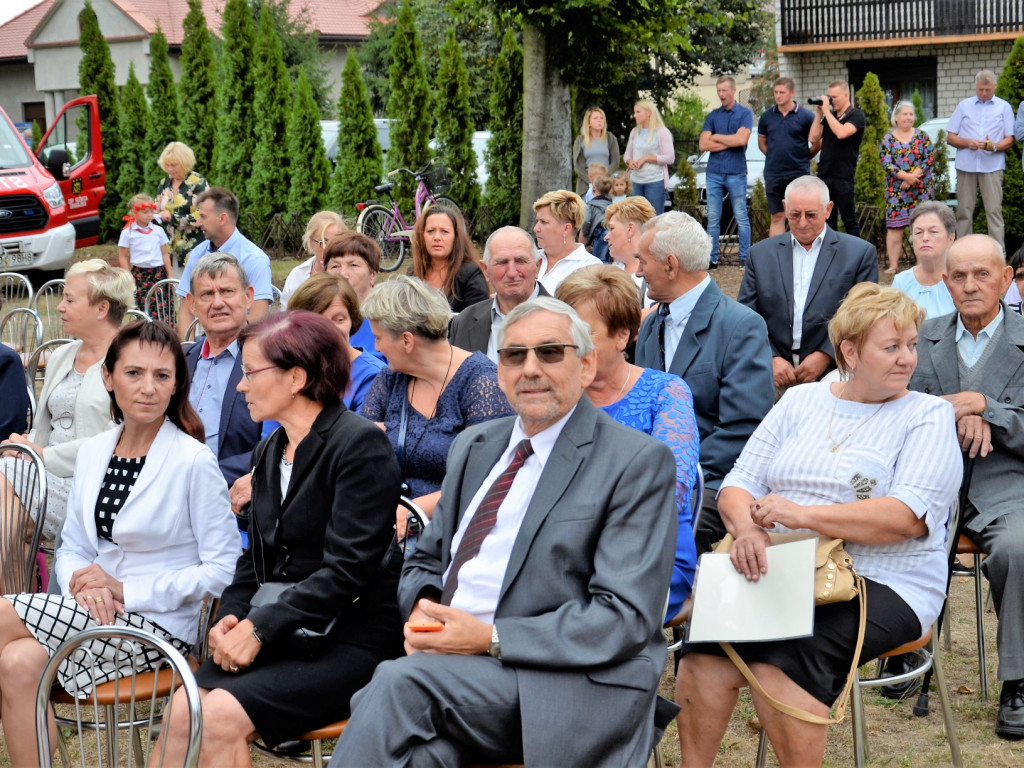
{"x": 974, "y": 358}
{"x": 719, "y": 347}
{"x": 797, "y": 280}
{"x": 550, "y": 647}
{"x": 512, "y": 264}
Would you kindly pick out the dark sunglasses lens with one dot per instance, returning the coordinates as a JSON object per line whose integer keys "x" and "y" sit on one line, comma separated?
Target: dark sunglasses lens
{"x": 550, "y": 353}
{"x": 512, "y": 356}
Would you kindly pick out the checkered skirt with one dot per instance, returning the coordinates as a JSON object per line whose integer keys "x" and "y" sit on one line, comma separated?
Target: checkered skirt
{"x": 55, "y": 618}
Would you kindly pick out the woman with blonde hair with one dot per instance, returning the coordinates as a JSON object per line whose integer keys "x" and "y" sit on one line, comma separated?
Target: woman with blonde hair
{"x": 176, "y": 198}
{"x": 444, "y": 257}
{"x": 623, "y": 220}
{"x": 649, "y": 154}
{"x": 594, "y": 144}
{"x": 322, "y": 227}
{"x": 560, "y": 216}
{"x": 430, "y": 391}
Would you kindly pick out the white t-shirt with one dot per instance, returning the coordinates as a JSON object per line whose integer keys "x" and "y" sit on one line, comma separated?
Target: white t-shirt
{"x": 143, "y": 245}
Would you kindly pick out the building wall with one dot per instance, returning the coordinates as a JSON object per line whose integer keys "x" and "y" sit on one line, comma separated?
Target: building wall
{"x": 16, "y": 88}
{"x": 957, "y": 64}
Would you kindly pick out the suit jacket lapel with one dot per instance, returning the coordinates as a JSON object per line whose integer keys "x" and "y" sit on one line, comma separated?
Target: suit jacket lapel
{"x": 559, "y": 471}
{"x": 829, "y": 249}
{"x": 945, "y": 356}
{"x": 785, "y": 262}
{"x": 229, "y": 400}
{"x": 480, "y": 330}
{"x": 1006, "y": 358}
{"x": 308, "y": 450}
{"x": 689, "y": 345}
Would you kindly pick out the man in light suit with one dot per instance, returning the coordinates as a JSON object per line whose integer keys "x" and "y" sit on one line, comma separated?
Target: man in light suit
{"x": 974, "y": 358}
{"x": 220, "y": 297}
{"x": 512, "y": 264}
{"x": 551, "y": 647}
{"x": 796, "y": 282}
{"x": 719, "y": 347}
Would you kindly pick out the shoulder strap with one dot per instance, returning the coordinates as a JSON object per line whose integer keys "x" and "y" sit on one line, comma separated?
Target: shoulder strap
{"x": 841, "y": 702}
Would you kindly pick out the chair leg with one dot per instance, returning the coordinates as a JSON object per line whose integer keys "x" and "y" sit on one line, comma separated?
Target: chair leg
{"x": 110, "y": 727}
{"x": 316, "y": 748}
{"x": 860, "y": 732}
{"x": 947, "y": 710}
{"x": 979, "y": 615}
{"x": 656, "y": 757}
{"x": 947, "y": 634}
{"x": 762, "y": 749}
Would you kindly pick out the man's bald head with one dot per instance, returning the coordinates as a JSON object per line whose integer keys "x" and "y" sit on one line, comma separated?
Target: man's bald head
{"x": 977, "y": 278}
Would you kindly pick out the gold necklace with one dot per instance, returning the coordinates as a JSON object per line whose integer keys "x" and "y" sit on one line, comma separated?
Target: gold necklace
{"x": 837, "y": 445}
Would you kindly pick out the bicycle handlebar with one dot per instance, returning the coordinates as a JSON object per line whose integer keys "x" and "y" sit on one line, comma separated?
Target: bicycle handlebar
{"x": 415, "y": 174}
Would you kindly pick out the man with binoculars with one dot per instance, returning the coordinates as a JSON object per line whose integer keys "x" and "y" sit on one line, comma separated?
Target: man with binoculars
{"x": 838, "y": 132}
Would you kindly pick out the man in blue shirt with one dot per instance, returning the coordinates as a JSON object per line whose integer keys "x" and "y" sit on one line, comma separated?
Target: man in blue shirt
{"x": 725, "y": 135}
{"x": 218, "y": 218}
{"x": 782, "y": 137}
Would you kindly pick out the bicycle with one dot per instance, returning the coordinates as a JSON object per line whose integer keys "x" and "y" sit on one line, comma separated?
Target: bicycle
{"x": 387, "y": 226}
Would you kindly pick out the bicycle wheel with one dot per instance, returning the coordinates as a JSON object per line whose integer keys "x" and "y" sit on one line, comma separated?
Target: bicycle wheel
{"x": 442, "y": 201}
{"x": 378, "y": 223}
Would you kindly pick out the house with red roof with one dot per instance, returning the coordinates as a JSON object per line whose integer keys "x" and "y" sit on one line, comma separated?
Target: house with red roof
{"x": 39, "y": 50}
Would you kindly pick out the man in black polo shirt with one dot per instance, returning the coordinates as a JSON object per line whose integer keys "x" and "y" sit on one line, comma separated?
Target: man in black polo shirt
{"x": 838, "y": 132}
{"x": 782, "y": 136}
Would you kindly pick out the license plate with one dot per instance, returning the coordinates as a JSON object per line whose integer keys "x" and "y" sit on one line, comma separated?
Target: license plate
{"x": 14, "y": 256}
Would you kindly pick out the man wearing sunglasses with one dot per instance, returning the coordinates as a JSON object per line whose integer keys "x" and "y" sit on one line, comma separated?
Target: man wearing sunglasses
{"x": 542, "y": 578}
{"x": 796, "y": 281}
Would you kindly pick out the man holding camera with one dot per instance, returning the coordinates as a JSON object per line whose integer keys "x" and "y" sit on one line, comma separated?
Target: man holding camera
{"x": 838, "y": 133}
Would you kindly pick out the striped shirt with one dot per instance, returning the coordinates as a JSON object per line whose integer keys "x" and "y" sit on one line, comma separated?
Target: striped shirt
{"x": 908, "y": 452}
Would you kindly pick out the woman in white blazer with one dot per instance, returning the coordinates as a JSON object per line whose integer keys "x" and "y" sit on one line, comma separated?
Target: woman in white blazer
{"x": 149, "y": 532}
{"x": 74, "y": 404}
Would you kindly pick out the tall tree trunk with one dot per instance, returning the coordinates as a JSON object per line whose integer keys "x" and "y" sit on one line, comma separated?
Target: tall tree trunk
{"x": 547, "y": 124}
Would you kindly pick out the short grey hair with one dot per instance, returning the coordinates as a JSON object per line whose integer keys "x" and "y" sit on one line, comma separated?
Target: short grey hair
{"x": 936, "y": 208}
{"x": 405, "y": 303}
{"x": 900, "y": 106}
{"x": 985, "y": 76}
{"x": 213, "y": 265}
{"x": 509, "y": 230}
{"x": 681, "y": 235}
{"x": 578, "y": 327}
{"x": 808, "y": 184}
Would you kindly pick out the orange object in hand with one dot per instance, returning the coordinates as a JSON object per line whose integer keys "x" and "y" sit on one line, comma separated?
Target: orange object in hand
{"x": 424, "y": 626}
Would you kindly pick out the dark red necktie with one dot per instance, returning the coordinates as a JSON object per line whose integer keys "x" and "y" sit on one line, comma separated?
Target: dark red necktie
{"x": 484, "y": 519}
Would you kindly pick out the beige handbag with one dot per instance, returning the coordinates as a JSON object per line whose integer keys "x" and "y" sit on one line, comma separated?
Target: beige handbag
{"x": 835, "y": 581}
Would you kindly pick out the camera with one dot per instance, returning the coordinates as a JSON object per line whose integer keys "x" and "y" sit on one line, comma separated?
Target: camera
{"x": 819, "y": 102}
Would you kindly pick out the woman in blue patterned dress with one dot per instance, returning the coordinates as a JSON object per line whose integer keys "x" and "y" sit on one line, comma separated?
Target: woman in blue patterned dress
{"x": 655, "y": 402}
{"x": 907, "y": 160}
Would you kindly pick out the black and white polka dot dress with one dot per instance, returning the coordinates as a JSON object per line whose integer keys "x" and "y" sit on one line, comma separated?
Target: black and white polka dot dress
{"x": 55, "y": 618}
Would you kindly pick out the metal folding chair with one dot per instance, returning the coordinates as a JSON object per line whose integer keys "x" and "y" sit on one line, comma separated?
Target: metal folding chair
{"x": 162, "y": 302}
{"x": 15, "y": 290}
{"x": 35, "y": 369}
{"x": 21, "y": 330}
{"x": 44, "y": 303}
{"x": 145, "y": 691}
{"x": 23, "y": 489}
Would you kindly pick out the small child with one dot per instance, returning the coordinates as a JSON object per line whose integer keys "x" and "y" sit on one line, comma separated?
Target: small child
{"x": 594, "y": 171}
{"x": 622, "y": 187}
{"x": 593, "y": 231}
{"x": 142, "y": 248}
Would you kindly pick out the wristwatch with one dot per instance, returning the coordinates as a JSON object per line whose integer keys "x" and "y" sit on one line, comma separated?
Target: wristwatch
{"x": 495, "y": 647}
{"x": 258, "y": 635}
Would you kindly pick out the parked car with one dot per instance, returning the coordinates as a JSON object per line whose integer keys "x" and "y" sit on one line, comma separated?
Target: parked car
{"x": 755, "y": 172}
{"x": 329, "y": 134}
{"x": 932, "y": 128}
{"x": 480, "y": 142}
{"x": 49, "y": 201}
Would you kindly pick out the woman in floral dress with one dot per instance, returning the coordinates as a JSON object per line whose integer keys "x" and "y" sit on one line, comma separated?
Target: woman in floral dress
{"x": 907, "y": 156}
{"x": 176, "y": 199}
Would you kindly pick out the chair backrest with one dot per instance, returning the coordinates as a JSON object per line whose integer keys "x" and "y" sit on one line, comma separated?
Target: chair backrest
{"x": 21, "y": 330}
{"x": 143, "y": 654}
{"x": 15, "y": 290}
{"x": 162, "y": 302}
{"x": 195, "y": 330}
{"x": 19, "y": 535}
{"x": 276, "y": 305}
{"x": 35, "y": 371}
{"x": 45, "y": 303}
{"x": 697, "y": 499}
{"x": 131, "y": 315}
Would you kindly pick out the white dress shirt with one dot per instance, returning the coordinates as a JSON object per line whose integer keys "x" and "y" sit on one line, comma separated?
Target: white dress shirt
{"x": 804, "y": 260}
{"x": 480, "y": 578}
{"x": 679, "y": 312}
{"x": 577, "y": 259}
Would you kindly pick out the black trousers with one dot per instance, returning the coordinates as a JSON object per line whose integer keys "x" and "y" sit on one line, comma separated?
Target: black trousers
{"x": 840, "y": 190}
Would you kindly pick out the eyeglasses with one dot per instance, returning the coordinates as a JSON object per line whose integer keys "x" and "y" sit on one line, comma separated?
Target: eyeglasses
{"x": 547, "y": 354}
{"x": 811, "y": 216}
{"x": 249, "y": 374}
{"x": 321, "y": 243}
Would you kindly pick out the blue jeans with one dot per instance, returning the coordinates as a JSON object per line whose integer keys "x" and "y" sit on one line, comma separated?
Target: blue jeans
{"x": 736, "y": 185}
{"x": 654, "y": 192}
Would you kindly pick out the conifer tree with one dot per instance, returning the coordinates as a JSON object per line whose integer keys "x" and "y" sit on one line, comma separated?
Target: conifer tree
{"x": 199, "y": 115}
{"x": 268, "y": 182}
{"x": 236, "y": 140}
{"x": 409, "y": 104}
{"x": 96, "y": 76}
{"x": 310, "y": 171}
{"x": 918, "y": 108}
{"x": 869, "y": 181}
{"x": 455, "y": 127}
{"x": 359, "y": 165}
{"x": 505, "y": 149}
{"x": 163, "y": 99}
{"x": 131, "y": 177}
{"x": 1011, "y": 88}
{"x": 940, "y": 168}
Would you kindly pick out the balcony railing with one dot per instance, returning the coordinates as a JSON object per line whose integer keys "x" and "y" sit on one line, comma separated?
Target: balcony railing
{"x": 809, "y": 22}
